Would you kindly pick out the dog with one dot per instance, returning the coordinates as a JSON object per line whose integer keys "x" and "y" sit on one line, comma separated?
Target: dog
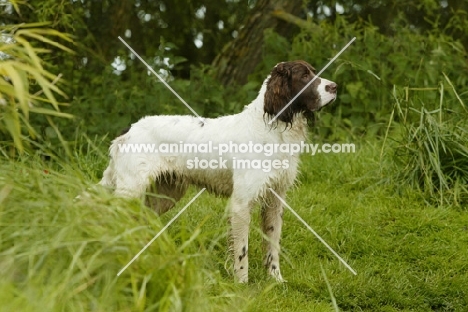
{"x": 132, "y": 174}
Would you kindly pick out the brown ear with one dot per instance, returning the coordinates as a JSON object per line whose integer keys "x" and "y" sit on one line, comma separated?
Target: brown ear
{"x": 278, "y": 93}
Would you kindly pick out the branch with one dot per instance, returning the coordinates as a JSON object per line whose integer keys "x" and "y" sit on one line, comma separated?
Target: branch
{"x": 293, "y": 19}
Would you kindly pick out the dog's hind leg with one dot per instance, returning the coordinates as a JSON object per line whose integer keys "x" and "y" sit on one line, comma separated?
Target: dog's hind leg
{"x": 107, "y": 181}
{"x": 131, "y": 182}
{"x": 272, "y": 221}
{"x": 108, "y": 178}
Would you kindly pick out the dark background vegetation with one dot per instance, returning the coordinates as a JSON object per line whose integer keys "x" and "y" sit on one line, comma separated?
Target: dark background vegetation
{"x": 399, "y": 44}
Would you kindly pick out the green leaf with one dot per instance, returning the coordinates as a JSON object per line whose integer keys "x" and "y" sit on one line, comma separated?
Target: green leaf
{"x": 51, "y": 112}
{"x": 14, "y": 128}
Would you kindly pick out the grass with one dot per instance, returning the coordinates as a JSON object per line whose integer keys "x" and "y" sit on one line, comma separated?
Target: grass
{"x": 58, "y": 254}
{"x": 433, "y": 152}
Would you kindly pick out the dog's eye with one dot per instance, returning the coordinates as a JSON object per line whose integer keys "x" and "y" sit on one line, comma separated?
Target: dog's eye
{"x": 305, "y": 76}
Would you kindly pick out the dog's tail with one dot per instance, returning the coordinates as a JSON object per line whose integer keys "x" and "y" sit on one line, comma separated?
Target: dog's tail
{"x": 108, "y": 177}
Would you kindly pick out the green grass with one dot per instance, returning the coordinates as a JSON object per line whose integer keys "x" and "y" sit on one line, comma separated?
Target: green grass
{"x": 58, "y": 254}
{"x": 433, "y": 148}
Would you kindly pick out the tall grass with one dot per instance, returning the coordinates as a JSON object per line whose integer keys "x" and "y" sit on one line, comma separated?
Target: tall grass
{"x": 62, "y": 254}
{"x": 433, "y": 149}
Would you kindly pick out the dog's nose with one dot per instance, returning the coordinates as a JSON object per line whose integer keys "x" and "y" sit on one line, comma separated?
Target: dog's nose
{"x": 331, "y": 87}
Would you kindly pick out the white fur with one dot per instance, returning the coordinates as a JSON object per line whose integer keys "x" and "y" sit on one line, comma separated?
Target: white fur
{"x": 326, "y": 96}
{"x": 130, "y": 174}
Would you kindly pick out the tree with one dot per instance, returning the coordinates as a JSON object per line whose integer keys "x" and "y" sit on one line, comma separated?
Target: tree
{"x": 239, "y": 57}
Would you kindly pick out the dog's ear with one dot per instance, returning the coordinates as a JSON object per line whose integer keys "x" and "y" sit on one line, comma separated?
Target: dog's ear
{"x": 283, "y": 69}
{"x": 278, "y": 93}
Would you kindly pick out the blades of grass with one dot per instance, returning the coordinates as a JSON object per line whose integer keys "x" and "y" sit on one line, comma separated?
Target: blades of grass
{"x": 423, "y": 89}
{"x": 195, "y": 234}
{"x": 141, "y": 300}
{"x": 5, "y": 191}
{"x": 56, "y": 79}
{"x": 330, "y": 291}
{"x": 6, "y": 88}
{"x": 59, "y": 135}
{"x": 455, "y": 91}
{"x": 36, "y": 35}
{"x": 441, "y": 101}
{"x": 436, "y": 143}
{"x": 134, "y": 284}
{"x": 386, "y": 134}
{"x": 83, "y": 287}
{"x": 46, "y": 87}
{"x": 50, "y": 112}
{"x": 27, "y": 25}
{"x": 32, "y": 133}
{"x": 20, "y": 86}
{"x": 49, "y": 76}
{"x": 398, "y": 104}
{"x": 53, "y": 32}
{"x": 32, "y": 53}
{"x": 76, "y": 254}
{"x": 11, "y": 121}
{"x": 16, "y": 4}
{"x": 94, "y": 148}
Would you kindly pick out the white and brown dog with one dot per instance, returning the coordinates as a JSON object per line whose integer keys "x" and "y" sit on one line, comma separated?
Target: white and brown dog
{"x": 131, "y": 174}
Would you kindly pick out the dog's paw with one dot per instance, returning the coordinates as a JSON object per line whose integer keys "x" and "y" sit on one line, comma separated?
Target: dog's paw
{"x": 276, "y": 274}
{"x": 242, "y": 278}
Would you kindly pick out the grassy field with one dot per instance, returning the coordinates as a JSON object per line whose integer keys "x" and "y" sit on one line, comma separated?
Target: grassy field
{"x": 58, "y": 254}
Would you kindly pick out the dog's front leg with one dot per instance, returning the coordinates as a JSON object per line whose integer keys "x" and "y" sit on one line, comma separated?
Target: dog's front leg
{"x": 240, "y": 220}
{"x": 272, "y": 221}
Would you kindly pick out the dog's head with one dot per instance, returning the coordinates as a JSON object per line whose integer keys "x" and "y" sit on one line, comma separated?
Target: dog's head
{"x": 286, "y": 80}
